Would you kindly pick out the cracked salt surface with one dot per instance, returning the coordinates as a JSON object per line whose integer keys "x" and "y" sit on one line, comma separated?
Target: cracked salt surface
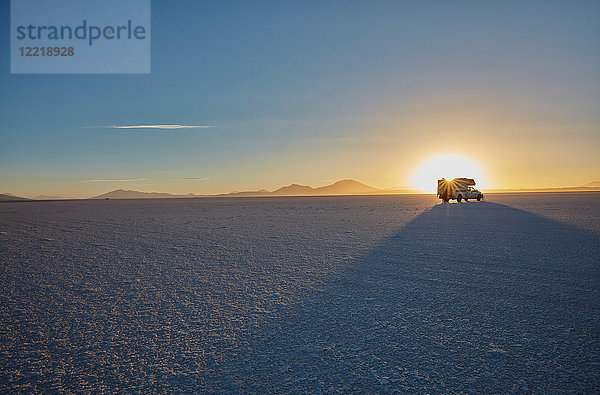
{"x": 348, "y": 294}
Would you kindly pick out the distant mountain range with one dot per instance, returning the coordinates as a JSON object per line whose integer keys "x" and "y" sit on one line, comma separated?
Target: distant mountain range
{"x": 7, "y": 197}
{"x": 343, "y": 187}
{"x": 595, "y": 184}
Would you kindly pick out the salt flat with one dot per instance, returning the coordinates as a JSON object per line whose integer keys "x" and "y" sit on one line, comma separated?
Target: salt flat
{"x": 320, "y": 294}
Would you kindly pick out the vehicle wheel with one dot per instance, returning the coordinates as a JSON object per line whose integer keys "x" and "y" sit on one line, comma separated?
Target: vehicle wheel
{"x": 446, "y": 200}
{"x": 459, "y": 198}
{"x": 479, "y": 198}
{"x": 466, "y": 200}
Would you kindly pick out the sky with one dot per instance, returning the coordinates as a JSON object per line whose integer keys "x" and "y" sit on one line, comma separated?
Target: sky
{"x": 311, "y": 92}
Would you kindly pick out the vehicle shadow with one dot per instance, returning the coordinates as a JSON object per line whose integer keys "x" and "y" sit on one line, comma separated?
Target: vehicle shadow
{"x": 475, "y": 297}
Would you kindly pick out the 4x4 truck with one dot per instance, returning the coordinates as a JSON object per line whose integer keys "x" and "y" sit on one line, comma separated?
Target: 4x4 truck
{"x": 459, "y": 189}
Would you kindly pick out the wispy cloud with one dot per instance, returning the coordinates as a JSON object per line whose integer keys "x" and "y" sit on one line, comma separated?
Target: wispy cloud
{"x": 117, "y": 179}
{"x": 161, "y": 127}
{"x": 193, "y": 178}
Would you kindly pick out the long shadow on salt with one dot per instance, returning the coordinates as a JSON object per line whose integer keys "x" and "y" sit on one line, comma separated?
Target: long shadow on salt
{"x": 466, "y": 297}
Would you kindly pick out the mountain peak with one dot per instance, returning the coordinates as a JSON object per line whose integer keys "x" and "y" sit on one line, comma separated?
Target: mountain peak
{"x": 293, "y": 189}
{"x": 347, "y": 181}
{"x": 346, "y": 187}
{"x": 9, "y": 197}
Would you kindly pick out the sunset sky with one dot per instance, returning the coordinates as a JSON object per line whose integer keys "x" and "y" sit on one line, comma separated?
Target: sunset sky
{"x": 311, "y": 92}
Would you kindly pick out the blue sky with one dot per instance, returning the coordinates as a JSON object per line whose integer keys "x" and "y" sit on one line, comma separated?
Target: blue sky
{"x": 311, "y": 92}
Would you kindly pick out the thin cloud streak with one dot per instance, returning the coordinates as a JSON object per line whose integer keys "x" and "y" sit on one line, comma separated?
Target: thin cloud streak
{"x": 118, "y": 180}
{"x": 161, "y": 127}
{"x": 193, "y": 178}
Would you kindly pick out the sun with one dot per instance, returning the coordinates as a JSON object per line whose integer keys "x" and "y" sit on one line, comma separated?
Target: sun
{"x": 424, "y": 177}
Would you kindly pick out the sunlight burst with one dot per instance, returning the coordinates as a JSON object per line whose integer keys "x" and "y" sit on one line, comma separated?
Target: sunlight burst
{"x": 424, "y": 177}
